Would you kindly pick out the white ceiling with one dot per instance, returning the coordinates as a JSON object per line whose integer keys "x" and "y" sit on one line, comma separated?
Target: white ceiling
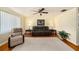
{"x": 28, "y": 11}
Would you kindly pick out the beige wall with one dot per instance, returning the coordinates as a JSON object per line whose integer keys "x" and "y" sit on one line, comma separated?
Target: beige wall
{"x": 23, "y": 22}
{"x": 32, "y": 21}
{"x": 67, "y": 22}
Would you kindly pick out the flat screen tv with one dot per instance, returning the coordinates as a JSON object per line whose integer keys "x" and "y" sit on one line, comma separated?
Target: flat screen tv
{"x": 40, "y": 22}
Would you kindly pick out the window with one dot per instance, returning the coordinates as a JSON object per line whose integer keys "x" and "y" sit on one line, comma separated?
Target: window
{"x": 8, "y": 22}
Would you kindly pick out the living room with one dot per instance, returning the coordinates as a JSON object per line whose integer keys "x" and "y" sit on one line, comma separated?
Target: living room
{"x": 54, "y": 18}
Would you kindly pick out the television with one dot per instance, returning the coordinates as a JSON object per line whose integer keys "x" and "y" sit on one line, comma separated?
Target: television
{"x": 40, "y": 22}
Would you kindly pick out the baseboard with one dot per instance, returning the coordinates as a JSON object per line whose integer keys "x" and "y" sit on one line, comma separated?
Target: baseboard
{"x": 75, "y": 47}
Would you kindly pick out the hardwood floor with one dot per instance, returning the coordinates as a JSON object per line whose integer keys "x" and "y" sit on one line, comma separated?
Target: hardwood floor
{"x": 76, "y": 48}
{"x": 5, "y": 47}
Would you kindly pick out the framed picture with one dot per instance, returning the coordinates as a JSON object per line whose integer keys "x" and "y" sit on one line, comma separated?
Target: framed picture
{"x": 40, "y": 22}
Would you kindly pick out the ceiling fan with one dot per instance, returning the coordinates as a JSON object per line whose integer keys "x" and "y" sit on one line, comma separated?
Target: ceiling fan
{"x": 41, "y": 11}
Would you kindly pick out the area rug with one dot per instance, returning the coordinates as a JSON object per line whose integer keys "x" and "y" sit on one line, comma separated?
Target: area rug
{"x": 43, "y": 44}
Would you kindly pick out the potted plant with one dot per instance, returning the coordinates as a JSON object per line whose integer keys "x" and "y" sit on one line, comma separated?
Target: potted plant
{"x": 64, "y": 35}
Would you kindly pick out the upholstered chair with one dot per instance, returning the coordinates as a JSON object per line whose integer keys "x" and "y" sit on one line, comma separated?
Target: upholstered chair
{"x": 16, "y": 38}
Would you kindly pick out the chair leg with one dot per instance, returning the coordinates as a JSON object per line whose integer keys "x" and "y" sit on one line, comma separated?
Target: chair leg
{"x": 23, "y": 38}
{"x": 9, "y": 42}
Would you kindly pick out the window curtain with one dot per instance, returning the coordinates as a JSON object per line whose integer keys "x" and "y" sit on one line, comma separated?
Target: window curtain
{"x": 8, "y": 22}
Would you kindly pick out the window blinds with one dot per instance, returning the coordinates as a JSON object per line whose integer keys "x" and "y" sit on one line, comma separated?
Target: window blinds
{"x": 8, "y": 22}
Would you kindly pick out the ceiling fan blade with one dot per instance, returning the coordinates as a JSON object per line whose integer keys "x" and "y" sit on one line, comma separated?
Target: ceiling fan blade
{"x": 45, "y": 12}
{"x": 41, "y": 10}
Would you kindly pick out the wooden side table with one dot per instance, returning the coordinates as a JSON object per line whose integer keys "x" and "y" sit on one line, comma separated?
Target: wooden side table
{"x": 28, "y": 32}
{"x": 54, "y": 32}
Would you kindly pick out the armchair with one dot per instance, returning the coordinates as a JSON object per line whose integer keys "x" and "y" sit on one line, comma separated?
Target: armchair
{"x": 16, "y": 38}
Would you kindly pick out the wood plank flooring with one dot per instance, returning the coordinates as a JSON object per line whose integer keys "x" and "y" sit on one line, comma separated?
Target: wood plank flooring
{"x": 5, "y": 47}
{"x": 76, "y": 48}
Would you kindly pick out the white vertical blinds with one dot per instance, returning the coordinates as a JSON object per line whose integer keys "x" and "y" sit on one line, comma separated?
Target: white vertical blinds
{"x": 8, "y": 22}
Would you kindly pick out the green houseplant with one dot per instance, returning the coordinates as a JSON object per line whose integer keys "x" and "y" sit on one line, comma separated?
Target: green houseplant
{"x": 64, "y": 35}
